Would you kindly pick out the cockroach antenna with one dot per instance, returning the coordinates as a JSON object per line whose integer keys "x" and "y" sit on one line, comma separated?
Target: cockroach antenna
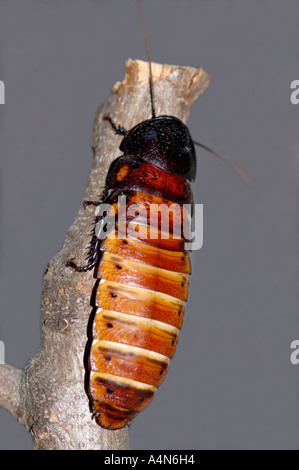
{"x": 151, "y": 85}
{"x": 148, "y": 52}
{"x": 225, "y": 160}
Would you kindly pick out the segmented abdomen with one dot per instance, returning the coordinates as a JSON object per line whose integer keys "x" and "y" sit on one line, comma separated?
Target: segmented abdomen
{"x": 143, "y": 286}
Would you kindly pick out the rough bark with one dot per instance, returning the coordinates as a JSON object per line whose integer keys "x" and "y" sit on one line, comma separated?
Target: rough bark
{"x": 48, "y": 397}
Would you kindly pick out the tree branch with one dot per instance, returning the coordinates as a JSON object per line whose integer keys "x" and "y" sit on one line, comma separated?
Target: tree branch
{"x": 49, "y": 396}
{"x": 10, "y": 383}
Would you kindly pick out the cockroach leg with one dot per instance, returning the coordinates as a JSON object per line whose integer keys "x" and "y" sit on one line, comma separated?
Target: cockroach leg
{"x": 80, "y": 269}
{"x": 93, "y": 252}
{"x": 91, "y": 203}
{"x": 117, "y": 129}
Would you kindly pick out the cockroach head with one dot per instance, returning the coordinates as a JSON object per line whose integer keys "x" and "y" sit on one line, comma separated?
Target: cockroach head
{"x": 165, "y": 142}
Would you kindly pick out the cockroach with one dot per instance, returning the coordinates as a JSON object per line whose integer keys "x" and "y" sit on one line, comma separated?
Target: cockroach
{"x": 142, "y": 276}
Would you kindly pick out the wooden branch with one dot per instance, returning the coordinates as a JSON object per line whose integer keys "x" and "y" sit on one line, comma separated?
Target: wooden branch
{"x": 49, "y": 396}
{"x": 10, "y": 385}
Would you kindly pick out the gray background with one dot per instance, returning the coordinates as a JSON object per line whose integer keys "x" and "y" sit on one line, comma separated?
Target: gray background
{"x": 231, "y": 384}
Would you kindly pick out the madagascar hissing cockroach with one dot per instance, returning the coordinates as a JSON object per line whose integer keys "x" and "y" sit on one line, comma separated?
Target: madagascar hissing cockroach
{"x": 142, "y": 275}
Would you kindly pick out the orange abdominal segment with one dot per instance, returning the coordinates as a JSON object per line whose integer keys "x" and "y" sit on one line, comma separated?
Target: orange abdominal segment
{"x": 138, "y": 251}
{"x": 118, "y": 400}
{"x": 133, "y": 273}
{"x": 140, "y": 302}
{"x": 137, "y": 331}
